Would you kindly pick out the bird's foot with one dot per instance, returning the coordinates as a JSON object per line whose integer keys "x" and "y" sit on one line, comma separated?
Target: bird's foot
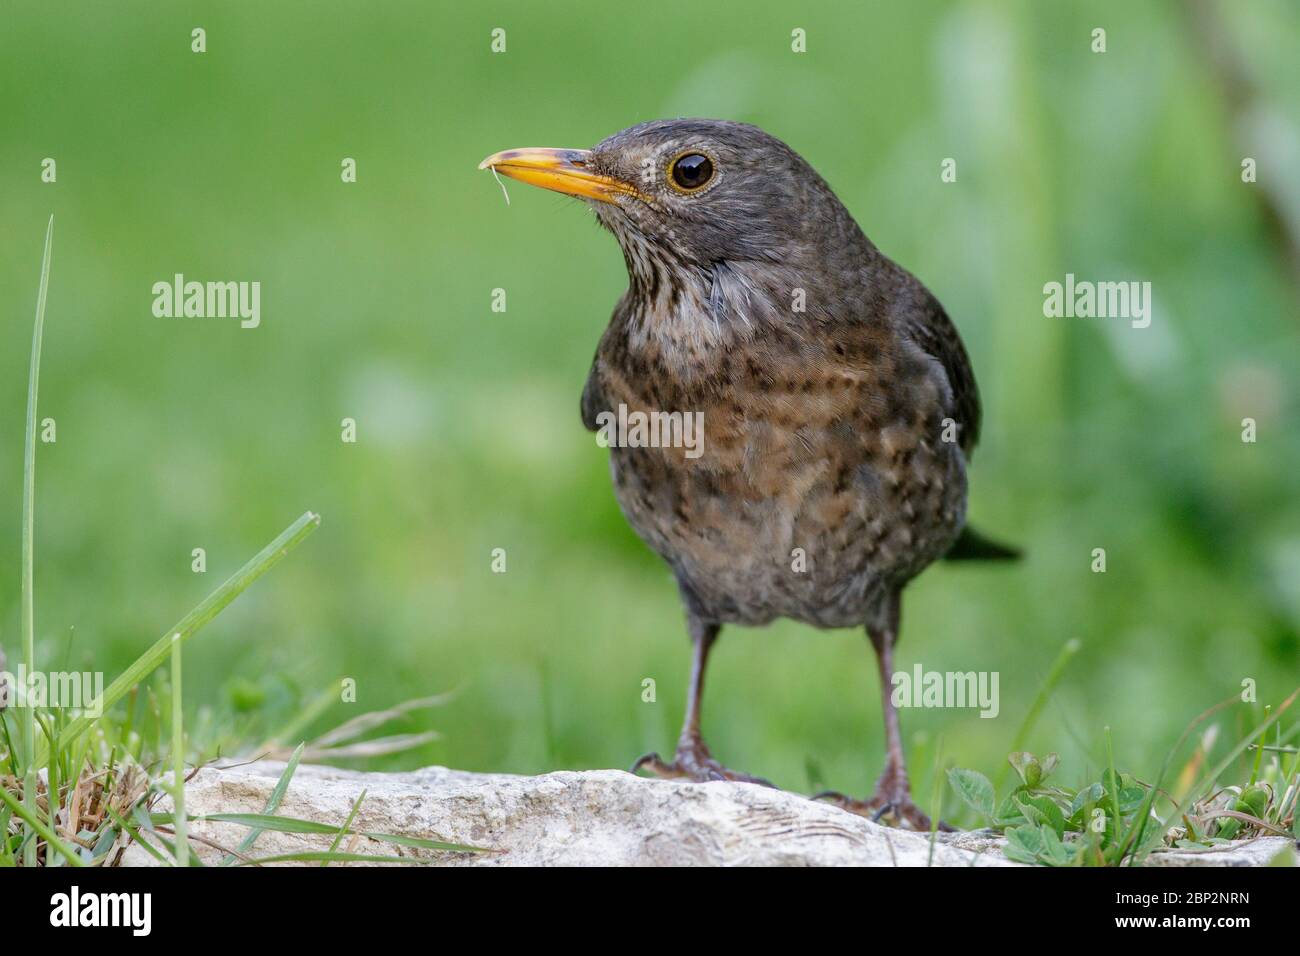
{"x": 892, "y": 807}
{"x": 694, "y": 762}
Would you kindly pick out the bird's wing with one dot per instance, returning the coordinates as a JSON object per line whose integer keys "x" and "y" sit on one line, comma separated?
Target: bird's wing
{"x": 932, "y": 331}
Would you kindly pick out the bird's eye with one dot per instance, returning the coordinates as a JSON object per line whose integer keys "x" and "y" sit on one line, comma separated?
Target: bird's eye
{"x": 691, "y": 171}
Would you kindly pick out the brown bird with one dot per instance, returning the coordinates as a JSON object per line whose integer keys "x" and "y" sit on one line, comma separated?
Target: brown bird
{"x": 837, "y": 404}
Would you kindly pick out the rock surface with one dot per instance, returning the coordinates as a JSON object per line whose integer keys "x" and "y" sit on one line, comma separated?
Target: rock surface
{"x": 596, "y": 817}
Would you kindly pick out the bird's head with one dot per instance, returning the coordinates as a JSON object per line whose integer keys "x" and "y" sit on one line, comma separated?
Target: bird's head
{"x": 695, "y": 193}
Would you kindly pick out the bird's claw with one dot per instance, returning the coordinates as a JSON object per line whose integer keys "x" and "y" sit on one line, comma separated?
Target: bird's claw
{"x": 893, "y": 809}
{"x": 694, "y": 763}
{"x": 653, "y": 761}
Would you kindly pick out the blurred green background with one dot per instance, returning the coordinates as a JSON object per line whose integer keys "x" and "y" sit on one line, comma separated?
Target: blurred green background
{"x": 175, "y": 434}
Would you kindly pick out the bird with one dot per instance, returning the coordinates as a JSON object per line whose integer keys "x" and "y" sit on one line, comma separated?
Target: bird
{"x": 837, "y": 404}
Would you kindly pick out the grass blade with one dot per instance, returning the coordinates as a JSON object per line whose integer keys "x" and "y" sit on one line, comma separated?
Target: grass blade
{"x": 1196, "y": 791}
{"x": 211, "y": 606}
{"x": 1045, "y": 689}
{"x": 28, "y": 561}
{"x": 272, "y": 804}
{"x": 347, "y": 825}
{"x": 133, "y": 832}
{"x": 421, "y": 843}
{"x": 317, "y": 856}
{"x": 178, "y": 759}
{"x": 34, "y": 821}
{"x": 278, "y": 824}
{"x": 321, "y": 703}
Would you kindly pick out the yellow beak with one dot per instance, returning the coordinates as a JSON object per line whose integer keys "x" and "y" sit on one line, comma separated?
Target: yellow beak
{"x": 562, "y": 170}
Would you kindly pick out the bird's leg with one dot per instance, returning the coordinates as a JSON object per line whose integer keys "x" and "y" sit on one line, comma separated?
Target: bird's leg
{"x": 692, "y": 758}
{"x": 893, "y": 797}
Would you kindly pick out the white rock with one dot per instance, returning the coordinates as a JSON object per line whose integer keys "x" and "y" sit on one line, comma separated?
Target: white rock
{"x": 596, "y": 817}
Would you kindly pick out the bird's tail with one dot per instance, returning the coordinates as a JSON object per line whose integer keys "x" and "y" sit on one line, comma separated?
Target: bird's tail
{"x": 973, "y": 546}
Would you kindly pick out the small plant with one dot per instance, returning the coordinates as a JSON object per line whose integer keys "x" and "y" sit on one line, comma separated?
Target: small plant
{"x": 1037, "y": 815}
{"x": 1113, "y": 821}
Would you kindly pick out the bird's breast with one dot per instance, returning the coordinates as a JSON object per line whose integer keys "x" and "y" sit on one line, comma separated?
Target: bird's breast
{"x": 812, "y": 481}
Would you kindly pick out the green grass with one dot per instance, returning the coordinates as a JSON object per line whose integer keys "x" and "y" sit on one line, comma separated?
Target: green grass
{"x": 126, "y": 781}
